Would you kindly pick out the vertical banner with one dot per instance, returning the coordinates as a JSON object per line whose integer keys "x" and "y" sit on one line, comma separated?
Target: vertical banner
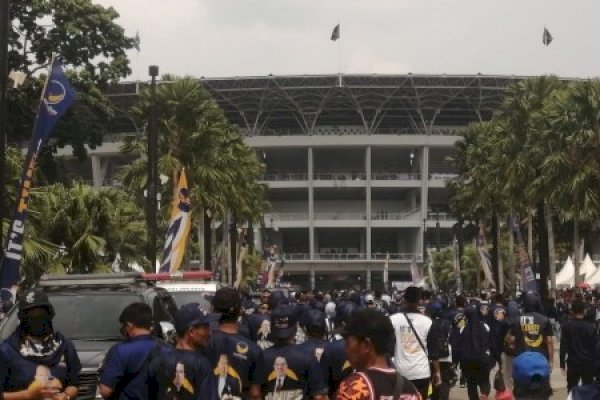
{"x": 179, "y": 228}
{"x": 528, "y": 283}
{"x": 414, "y": 271}
{"x": 57, "y": 98}
{"x": 484, "y": 257}
{"x": 456, "y": 264}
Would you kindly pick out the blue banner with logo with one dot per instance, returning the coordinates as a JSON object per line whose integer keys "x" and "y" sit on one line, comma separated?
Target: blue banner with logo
{"x": 57, "y": 97}
{"x": 528, "y": 282}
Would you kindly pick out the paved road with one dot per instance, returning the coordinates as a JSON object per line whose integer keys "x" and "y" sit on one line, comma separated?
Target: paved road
{"x": 557, "y": 380}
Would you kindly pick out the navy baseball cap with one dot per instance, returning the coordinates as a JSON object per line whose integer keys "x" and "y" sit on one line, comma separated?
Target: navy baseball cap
{"x": 343, "y": 312}
{"x": 313, "y": 320}
{"x": 530, "y": 369}
{"x": 190, "y": 315}
{"x": 284, "y": 321}
{"x": 33, "y": 299}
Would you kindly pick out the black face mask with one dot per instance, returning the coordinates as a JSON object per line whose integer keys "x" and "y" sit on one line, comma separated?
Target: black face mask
{"x": 37, "y": 326}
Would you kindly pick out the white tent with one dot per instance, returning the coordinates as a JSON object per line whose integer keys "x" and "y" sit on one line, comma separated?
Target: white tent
{"x": 587, "y": 268}
{"x": 594, "y": 279}
{"x": 567, "y": 273}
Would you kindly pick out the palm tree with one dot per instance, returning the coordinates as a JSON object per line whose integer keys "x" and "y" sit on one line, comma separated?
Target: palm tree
{"x": 223, "y": 172}
{"x": 91, "y": 225}
{"x": 574, "y": 168}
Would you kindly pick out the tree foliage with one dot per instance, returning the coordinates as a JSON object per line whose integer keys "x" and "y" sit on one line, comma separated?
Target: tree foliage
{"x": 92, "y": 46}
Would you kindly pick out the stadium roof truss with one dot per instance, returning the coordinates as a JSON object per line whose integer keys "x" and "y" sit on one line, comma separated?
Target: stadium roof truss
{"x": 377, "y": 103}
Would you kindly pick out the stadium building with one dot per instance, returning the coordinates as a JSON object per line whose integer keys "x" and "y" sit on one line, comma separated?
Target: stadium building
{"x": 356, "y": 164}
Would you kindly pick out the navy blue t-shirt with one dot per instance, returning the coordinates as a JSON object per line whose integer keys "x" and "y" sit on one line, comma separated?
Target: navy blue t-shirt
{"x": 292, "y": 374}
{"x": 335, "y": 364}
{"x": 236, "y": 363}
{"x": 313, "y": 346}
{"x": 182, "y": 375}
{"x": 123, "y": 364}
{"x": 61, "y": 369}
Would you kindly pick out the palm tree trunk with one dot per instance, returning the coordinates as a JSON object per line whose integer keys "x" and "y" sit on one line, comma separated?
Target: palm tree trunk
{"x": 208, "y": 242}
{"x": 233, "y": 247}
{"x": 511, "y": 260}
{"x": 551, "y": 250}
{"x": 543, "y": 266}
{"x": 225, "y": 265}
{"x": 495, "y": 251}
{"x": 576, "y": 258}
{"x": 530, "y": 234}
{"x": 201, "y": 239}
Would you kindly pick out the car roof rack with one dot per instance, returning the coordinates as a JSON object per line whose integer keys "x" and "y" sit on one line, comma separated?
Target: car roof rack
{"x": 122, "y": 278}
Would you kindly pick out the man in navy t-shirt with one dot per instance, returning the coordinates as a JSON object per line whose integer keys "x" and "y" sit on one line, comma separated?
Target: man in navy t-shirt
{"x": 125, "y": 367}
{"x": 289, "y": 373}
{"x": 235, "y": 359}
{"x": 183, "y": 373}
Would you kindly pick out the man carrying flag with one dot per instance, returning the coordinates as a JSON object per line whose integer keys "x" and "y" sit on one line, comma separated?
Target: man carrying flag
{"x": 57, "y": 98}
{"x": 179, "y": 228}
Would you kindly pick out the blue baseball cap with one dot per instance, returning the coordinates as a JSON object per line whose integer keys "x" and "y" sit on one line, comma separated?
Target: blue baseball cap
{"x": 313, "y": 320}
{"x": 284, "y": 321}
{"x": 192, "y": 314}
{"x": 530, "y": 369}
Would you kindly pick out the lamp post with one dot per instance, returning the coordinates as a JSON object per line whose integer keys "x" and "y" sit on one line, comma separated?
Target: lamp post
{"x": 152, "y": 169}
{"x": 4, "y": 24}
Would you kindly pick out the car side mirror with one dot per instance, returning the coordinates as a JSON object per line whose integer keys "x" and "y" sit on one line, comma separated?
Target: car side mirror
{"x": 167, "y": 330}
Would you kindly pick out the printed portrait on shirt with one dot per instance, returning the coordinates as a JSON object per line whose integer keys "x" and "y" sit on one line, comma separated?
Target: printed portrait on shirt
{"x": 229, "y": 383}
{"x": 180, "y": 388}
{"x": 43, "y": 377}
{"x": 283, "y": 383}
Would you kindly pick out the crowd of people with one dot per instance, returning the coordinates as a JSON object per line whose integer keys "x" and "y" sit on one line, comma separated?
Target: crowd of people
{"x": 413, "y": 345}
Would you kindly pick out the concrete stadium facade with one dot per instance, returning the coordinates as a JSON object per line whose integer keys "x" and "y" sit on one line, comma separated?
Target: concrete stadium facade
{"x": 356, "y": 164}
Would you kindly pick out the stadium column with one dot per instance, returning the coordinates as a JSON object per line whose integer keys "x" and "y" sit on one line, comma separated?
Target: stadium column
{"x": 368, "y": 201}
{"x": 98, "y": 170}
{"x": 311, "y": 205}
{"x": 424, "y": 189}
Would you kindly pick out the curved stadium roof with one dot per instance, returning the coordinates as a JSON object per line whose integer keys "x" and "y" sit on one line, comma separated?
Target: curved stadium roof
{"x": 375, "y": 103}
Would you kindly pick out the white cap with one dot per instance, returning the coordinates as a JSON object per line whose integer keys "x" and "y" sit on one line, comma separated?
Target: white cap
{"x": 369, "y": 298}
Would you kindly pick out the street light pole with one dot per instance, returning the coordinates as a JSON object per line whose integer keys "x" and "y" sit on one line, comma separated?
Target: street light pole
{"x": 4, "y": 24}
{"x": 152, "y": 169}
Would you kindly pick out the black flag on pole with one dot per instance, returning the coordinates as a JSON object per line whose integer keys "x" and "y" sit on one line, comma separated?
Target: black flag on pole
{"x": 335, "y": 35}
{"x": 547, "y": 38}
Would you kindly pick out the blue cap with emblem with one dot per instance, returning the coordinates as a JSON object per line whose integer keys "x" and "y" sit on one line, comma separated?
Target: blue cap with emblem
{"x": 192, "y": 314}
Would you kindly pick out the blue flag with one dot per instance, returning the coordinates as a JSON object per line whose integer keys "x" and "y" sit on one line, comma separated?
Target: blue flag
{"x": 57, "y": 97}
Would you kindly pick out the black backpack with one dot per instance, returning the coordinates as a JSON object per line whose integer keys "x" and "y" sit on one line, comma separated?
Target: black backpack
{"x": 445, "y": 328}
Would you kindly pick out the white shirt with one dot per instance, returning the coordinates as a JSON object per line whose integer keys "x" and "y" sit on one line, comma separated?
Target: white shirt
{"x": 411, "y": 360}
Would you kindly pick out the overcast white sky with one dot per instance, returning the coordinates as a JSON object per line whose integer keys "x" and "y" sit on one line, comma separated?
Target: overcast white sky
{"x": 256, "y": 37}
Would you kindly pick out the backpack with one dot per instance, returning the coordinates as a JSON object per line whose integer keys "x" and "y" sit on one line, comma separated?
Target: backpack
{"x": 445, "y": 329}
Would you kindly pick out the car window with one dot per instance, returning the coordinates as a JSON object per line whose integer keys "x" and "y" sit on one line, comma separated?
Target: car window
{"x": 90, "y": 315}
{"x": 81, "y": 315}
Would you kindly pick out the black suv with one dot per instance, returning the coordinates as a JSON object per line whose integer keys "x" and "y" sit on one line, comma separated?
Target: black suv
{"x": 87, "y": 311}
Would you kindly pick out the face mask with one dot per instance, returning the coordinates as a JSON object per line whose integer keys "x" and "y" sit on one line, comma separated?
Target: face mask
{"x": 37, "y": 326}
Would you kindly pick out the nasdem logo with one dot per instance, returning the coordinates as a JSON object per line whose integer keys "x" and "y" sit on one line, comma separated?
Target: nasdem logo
{"x": 56, "y": 92}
